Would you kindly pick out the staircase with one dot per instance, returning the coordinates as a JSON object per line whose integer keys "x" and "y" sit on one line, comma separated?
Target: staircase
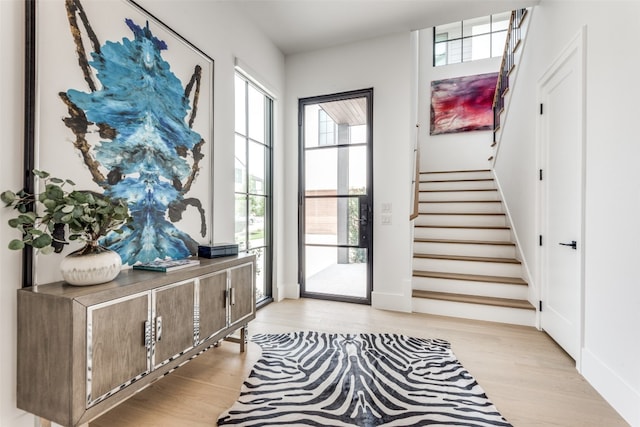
{"x": 464, "y": 260}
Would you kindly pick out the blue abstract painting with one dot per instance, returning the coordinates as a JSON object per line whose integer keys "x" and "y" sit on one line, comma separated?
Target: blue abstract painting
{"x": 148, "y": 152}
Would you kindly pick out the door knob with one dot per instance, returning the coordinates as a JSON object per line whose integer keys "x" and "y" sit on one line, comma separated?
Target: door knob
{"x": 573, "y": 244}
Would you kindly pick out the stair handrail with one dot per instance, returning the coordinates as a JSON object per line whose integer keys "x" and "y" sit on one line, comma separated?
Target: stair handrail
{"x": 416, "y": 183}
{"x": 508, "y": 62}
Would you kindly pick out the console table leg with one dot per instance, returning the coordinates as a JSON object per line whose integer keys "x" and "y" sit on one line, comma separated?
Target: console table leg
{"x": 243, "y": 338}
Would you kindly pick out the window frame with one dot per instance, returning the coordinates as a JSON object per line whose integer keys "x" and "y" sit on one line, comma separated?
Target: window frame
{"x": 267, "y": 190}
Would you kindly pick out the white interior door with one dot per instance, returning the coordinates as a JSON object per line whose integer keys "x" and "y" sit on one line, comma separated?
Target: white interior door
{"x": 561, "y": 138}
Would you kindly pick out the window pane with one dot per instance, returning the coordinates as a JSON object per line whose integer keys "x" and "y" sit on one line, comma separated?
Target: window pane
{"x": 321, "y": 171}
{"x": 497, "y": 43}
{"x": 241, "y": 222}
{"x": 476, "y": 26}
{"x": 326, "y": 129}
{"x": 311, "y": 125}
{"x": 332, "y": 221}
{"x": 256, "y": 168}
{"x": 261, "y": 279}
{"x": 454, "y": 49}
{"x": 328, "y": 272}
{"x": 240, "y": 105}
{"x": 321, "y": 221}
{"x": 478, "y": 47}
{"x": 257, "y": 206}
{"x": 321, "y": 174}
{"x": 357, "y": 170}
{"x": 440, "y": 54}
{"x": 241, "y": 165}
{"x": 256, "y": 114}
{"x": 358, "y": 134}
{"x": 500, "y": 21}
{"x": 453, "y": 31}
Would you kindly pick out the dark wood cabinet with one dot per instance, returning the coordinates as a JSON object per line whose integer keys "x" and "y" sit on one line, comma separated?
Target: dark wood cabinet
{"x": 83, "y": 350}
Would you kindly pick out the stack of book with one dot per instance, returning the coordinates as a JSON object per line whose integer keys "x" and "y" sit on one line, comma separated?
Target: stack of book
{"x": 167, "y": 265}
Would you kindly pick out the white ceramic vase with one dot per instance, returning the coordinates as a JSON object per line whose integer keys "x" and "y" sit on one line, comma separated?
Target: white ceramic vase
{"x": 90, "y": 265}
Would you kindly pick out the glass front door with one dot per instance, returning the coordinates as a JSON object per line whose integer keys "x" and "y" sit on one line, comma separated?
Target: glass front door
{"x": 335, "y": 236}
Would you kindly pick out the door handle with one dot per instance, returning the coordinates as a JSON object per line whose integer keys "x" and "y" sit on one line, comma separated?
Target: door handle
{"x": 573, "y": 244}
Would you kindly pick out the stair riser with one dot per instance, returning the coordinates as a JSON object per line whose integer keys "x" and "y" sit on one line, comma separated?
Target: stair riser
{"x": 464, "y": 249}
{"x": 475, "y": 207}
{"x": 475, "y": 311}
{"x": 456, "y": 175}
{"x": 458, "y": 185}
{"x": 439, "y": 196}
{"x": 493, "y": 235}
{"x": 468, "y": 267}
{"x": 469, "y": 287}
{"x": 467, "y": 220}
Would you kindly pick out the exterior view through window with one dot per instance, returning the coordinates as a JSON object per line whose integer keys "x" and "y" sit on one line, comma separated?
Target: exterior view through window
{"x": 335, "y": 236}
{"x": 253, "y": 145}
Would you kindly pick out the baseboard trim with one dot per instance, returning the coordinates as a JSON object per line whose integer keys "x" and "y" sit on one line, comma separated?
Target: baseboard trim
{"x": 614, "y": 389}
{"x": 388, "y": 301}
{"x": 288, "y": 291}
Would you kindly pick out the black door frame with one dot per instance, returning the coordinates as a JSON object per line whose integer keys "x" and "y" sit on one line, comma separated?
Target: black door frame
{"x": 366, "y": 228}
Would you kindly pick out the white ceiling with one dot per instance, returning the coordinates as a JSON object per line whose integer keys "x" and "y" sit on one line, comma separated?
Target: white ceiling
{"x": 304, "y": 25}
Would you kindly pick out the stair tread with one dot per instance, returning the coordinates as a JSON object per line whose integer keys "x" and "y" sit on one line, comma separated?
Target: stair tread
{"x": 460, "y": 201}
{"x": 473, "y": 227}
{"x": 465, "y": 242}
{"x": 458, "y": 180}
{"x": 462, "y": 213}
{"x": 458, "y": 171}
{"x": 468, "y": 258}
{"x": 475, "y": 299}
{"x": 458, "y": 190}
{"x": 469, "y": 277}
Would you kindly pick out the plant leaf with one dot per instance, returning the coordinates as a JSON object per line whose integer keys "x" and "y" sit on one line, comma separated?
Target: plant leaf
{"x": 47, "y": 250}
{"x": 41, "y": 241}
{"x": 8, "y": 197}
{"x": 16, "y": 244}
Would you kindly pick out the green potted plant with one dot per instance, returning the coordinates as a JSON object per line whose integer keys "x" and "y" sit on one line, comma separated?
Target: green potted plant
{"x": 85, "y": 215}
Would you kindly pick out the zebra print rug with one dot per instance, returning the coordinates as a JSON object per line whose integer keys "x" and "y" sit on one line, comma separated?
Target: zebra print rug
{"x": 316, "y": 379}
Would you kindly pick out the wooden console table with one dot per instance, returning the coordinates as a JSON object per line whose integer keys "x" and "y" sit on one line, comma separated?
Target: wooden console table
{"x": 83, "y": 350}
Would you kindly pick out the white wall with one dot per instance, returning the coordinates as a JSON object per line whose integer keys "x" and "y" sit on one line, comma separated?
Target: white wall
{"x": 215, "y": 27}
{"x": 457, "y": 151}
{"x": 11, "y": 113}
{"x": 612, "y": 296}
{"x": 385, "y": 65}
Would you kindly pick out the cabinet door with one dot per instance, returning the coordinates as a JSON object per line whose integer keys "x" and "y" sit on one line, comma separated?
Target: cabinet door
{"x": 242, "y": 293}
{"x": 173, "y": 321}
{"x": 117, "y": 350}
{"x": 212, "y": 304}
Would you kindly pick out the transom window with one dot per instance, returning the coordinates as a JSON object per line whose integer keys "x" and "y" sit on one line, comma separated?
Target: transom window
{"x": 470, "y": 40}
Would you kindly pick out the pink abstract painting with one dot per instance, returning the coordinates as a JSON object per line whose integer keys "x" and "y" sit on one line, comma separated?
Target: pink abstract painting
{"x": 462, "y": 104}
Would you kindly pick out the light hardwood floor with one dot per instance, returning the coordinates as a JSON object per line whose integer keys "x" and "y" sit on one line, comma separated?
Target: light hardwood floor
{"x": 528, "y": 377}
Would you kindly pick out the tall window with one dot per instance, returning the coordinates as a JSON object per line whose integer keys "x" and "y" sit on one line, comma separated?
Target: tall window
{"x": 253, "y": 142}
{"x": 465, "y": 41}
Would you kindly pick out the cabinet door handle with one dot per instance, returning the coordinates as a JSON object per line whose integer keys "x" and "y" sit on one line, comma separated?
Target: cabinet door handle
{"x": 158, "y": 328}
{"x": 146, "y": 338}
{"x": 233, "y": 296}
